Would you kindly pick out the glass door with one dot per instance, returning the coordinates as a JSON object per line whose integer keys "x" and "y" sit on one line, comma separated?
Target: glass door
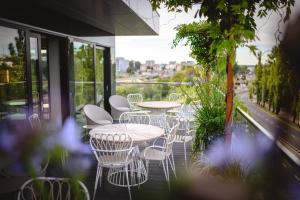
{"x": 99, "y": 72}
{"x": 13, "y": 79}
{"x": 39, "y": 86}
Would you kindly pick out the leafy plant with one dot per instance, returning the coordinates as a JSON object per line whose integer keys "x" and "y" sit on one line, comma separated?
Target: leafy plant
{"x": 210, "y": 116}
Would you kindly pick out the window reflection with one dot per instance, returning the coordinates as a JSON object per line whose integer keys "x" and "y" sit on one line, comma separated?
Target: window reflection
{"x": 34, "y": 65}
{"x": 13, "y": 99}
{"x": 83, "y": 77}
{"x": 99, "y": 76}
{"x": 45, "y": 79}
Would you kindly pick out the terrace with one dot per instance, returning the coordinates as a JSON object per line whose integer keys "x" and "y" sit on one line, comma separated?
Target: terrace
{"x": 65, "y": 117}
{"x": 156, "y": 185}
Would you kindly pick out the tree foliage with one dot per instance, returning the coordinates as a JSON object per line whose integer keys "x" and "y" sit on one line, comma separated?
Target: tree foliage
{"x": 277, "y": 85}
{"x": 131, "y": 68}
{"x": 235, "y": 20}
{"x": 200, "y": 39}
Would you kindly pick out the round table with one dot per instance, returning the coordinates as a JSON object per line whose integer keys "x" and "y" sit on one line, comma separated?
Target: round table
{"x": 159, "y": 107}
{"x": 139, "y": 133}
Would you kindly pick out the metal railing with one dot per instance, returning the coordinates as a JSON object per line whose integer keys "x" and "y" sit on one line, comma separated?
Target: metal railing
{"x": 161, "y": 91}
{"x": 151, "y": 90}
{"x": 252, "y": 127}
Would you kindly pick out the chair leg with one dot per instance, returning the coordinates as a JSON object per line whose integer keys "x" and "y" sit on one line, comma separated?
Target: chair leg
{"x": 167, "y": 169}
{"x": 172, "y": 164}
{"x": 185, "y": 160}
{"x": 139, "y": 171}
{"x": 128, "y": 184}
{"x": 98, "y": 176}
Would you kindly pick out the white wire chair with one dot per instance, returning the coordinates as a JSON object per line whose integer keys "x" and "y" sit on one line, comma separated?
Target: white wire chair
{"x": 159, "y": 120}
{"x": 187, "y": 112}
{"x": 175, "y": 96}
{"x": 118, "y": 105}
{"x": 96, "y": 115}
{"x": 138, "y": 117}
{"x": 133, "y": 100}
{"x": 52, "y": 188}
{"x": 184, "y": 133}
{"x": 113, "y": 151}
{"x": 162, "y": 152}
{"x": 34, "y": 121}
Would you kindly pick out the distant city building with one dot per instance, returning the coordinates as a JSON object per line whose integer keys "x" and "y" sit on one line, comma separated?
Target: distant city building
{"x": 150, "y": 68}
{"x": 143, "y": 68}
{"x": 156, "y": 67}
{"x": 163, "y": 67}
{"x": 178, "y": 67}
{"x": 121, "y": 65}
{"x": 171, "y": 66}
{"x": 190, "y": 62}
{"x": 187, "y": 63}
{"x": 150, "y": 63}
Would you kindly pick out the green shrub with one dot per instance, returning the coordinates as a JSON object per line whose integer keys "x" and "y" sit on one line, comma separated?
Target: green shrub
{"x": 210, "y": 117}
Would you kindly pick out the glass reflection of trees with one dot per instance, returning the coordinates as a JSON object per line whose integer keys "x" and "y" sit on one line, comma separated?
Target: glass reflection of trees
{"x": 13, "y": 98}
{"x": 84, "y": 74}
{"x": 99, "y": 76}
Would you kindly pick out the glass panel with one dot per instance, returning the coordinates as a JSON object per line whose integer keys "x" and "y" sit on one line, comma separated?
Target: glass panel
{"x": 13, "y": 98}
{"x": 45, "y": 78}
{"x": 99, "y": 76}
{"x": 34, "y": 62}
{"x": 83, "y": 77}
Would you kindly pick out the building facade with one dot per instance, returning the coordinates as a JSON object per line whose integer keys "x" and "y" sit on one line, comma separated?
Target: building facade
{"x": 58, "y": 55}
{"x": 121, "y": 65}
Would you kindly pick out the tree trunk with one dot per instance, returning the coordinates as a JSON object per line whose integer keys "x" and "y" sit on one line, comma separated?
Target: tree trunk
{"x": 207, "y": 75}
{"x": 229, "y": 98}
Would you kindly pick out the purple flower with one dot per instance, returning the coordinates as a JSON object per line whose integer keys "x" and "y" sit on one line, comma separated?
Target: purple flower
{"x": 246, "y": 150}
{"x": 68, "y": 138}
{"x": 7, "y": 142}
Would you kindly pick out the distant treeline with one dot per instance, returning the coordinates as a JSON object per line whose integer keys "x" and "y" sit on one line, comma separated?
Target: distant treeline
{"x": 276, "y": 85}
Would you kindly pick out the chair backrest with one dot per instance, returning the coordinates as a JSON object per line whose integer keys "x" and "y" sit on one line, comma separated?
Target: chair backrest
{"x": 94, "y": 113}
{"x": 118, "y": 101}
{"x": 111, "y": 148}
{"x": 52, "y": 188}
{"x": 196, "y": 105}
{"x": 133, "y": 99}
{"x": 35, "y": 121}
{"x": 187, "y": 111}
{"x": 171, "y": 138}
{"x": 158, "y": 120}
{"x": 175, "y": 96}
{"x": 182, "y": 126}
{"x": 138, "y": 117}
{"x": 171, "y": 120}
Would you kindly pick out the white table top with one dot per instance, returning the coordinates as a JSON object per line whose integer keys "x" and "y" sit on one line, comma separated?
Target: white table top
{"x": 138, "y": 132}
{"x": 89, "y": 127}
{"x": 100, "y": 123}
{"x": 159, "y": 104}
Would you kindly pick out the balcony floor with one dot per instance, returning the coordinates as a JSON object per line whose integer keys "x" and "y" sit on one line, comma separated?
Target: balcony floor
{"x": 155, "y": 188}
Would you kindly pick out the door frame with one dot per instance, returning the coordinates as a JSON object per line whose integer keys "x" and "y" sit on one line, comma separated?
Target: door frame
{"x": 29, "y": 35}
{"x": 95, "y": 68}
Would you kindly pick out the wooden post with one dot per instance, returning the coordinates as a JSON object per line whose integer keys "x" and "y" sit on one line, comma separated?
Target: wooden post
{"x": 229, "y": 98}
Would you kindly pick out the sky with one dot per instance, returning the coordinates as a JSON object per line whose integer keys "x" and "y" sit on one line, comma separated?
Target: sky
{"x": 159, "y": 48}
